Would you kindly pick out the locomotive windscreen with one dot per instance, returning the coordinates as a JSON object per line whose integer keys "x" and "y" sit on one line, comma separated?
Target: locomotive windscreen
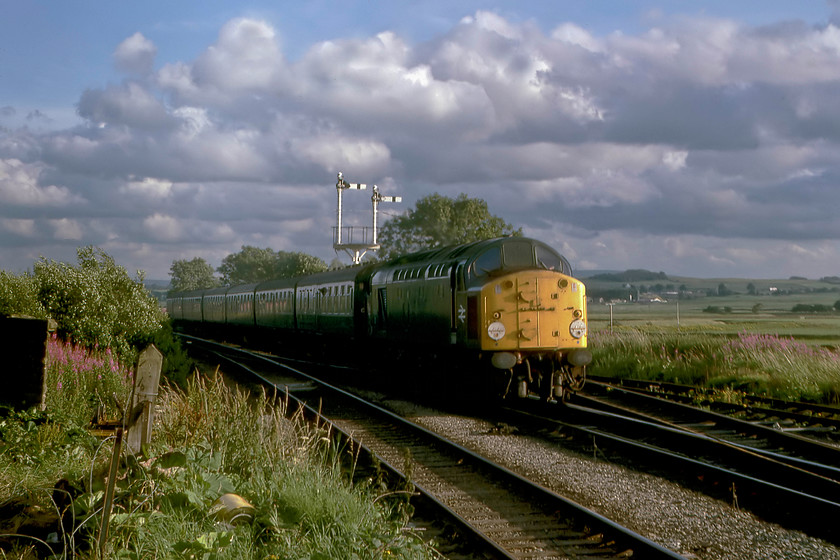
{"x": 518, "y": 255}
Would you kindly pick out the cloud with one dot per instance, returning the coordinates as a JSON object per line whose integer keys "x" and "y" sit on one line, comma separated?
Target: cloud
{"x": 19, "y": 187}
{"x": 700, "y": 144}
{"x": 135, "y": 55}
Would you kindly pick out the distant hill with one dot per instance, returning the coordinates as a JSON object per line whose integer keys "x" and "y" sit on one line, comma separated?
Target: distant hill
{"x": 630, "y": 276}
{"x": 593, "y": 272}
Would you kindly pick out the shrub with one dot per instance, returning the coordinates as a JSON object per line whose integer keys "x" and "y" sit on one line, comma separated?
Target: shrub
{"x": 96, "y": 303}
{"x": 19, "y": 296}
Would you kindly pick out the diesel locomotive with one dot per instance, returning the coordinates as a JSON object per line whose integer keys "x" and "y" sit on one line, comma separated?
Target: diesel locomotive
{"x": 508, "y": 308}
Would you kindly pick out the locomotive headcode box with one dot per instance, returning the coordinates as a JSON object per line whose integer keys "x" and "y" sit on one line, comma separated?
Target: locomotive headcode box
{"x": 23, "y": 349}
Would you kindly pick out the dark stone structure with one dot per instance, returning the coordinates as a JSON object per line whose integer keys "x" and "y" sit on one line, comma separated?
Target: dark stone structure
{"x": 23, "y": 350}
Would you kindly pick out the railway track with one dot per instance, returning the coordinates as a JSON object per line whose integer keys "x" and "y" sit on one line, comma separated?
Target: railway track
{"x": 781, "y": 477}
{"x": 807, "y": 419}
{"x": 509, "y": 515}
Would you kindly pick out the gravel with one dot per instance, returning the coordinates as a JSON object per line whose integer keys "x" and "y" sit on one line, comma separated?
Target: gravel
{"x": 680, "y": 519}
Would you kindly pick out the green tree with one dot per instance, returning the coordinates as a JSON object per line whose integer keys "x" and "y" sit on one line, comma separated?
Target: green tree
{"x": 248, "y": 265}
{"x": 291, "y": 264}
{"x": 19, "y": 296}
{"x": 257, "y": 265}
{"x": 96, "y": 303}
{"x": 437, "y": 221}
{"x": 196, "y": 274}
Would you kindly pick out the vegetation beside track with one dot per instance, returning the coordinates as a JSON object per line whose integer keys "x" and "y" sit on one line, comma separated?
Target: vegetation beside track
{"x": 760, "y": 337}
{"x": 209, "y": 440}
{"x": 749, "y": 362}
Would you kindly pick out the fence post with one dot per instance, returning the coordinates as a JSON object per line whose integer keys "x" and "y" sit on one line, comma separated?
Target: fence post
{"x": 141, "y": 415}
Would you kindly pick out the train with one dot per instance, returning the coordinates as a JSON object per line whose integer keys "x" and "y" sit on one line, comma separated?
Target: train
{"x": 508, "y": 310}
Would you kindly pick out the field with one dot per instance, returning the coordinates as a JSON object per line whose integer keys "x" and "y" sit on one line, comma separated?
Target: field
{"x": 760, "y": 337}
{"x": 728, "y": 315}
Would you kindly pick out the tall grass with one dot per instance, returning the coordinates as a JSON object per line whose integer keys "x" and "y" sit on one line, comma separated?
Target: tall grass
{"x": 771, "y": 365}
{"x": 209, "y": 439}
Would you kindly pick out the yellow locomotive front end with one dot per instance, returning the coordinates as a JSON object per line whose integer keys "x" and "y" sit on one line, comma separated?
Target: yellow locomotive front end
{"x": 533, "y": 324}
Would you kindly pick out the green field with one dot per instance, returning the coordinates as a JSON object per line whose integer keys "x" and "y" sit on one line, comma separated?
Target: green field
{"x": 760, "y": 337}
{"x": 738, "y": 312}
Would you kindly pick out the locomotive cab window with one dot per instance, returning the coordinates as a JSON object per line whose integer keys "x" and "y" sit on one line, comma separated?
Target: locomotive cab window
{"x": 550, "y": 260}
{"x": 487, "y": 262}
{"x": 517, "y": 255}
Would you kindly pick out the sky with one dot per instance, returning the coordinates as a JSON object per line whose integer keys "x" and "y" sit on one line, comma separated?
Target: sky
{"x": 695, "y": 138}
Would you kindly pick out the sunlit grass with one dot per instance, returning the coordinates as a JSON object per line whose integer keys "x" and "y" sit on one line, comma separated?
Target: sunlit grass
{"x": 209, "y": 439}
{"x": 771, "y": 365}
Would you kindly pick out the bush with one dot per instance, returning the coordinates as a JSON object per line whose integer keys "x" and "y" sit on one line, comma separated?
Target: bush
{"x": 811, "y": 308}
{"x": 19, "y": 296}
{"x": 96, "y": 303}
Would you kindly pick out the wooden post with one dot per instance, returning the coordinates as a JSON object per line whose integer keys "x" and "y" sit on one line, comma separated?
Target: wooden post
{"x": 109, "y": 493}
{"x": 141, "y": 413}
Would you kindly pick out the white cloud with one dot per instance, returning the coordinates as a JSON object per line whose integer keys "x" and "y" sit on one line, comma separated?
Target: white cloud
{"x": 23, "y": 228}
{"x": 700, "y": 140}
{"x": 149, "y": 187}
{"x": 162, "y": 227}
{"x": 135, "y": 55}
{"x": 19, "y": 186}
{"x": 67, "y": 229}
{"x": 675, "y": 160}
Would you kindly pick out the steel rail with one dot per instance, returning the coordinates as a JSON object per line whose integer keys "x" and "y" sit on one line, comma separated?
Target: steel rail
{"x": 797, "y": 451}
{"x": 774, "y": 500}
{"x": 622, "y": 537}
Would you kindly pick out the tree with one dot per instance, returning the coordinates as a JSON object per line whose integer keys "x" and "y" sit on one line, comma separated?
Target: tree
{"x": 438, "y": 221}
{"x": 291, "y": 264}
{"x": 249, "y": 265}
{"x": 751, "y": 289}
{"x": 258, "y": 265}
{"x": 196, "y": 274}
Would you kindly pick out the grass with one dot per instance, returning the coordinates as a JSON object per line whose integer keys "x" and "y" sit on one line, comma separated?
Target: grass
{"x": 209, "y": 440}
{"x": 763, "y": 364}
{"x": 752, "y": 343}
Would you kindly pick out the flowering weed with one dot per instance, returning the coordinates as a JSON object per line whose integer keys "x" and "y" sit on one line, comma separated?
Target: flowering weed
{"x": 81, "y": 382}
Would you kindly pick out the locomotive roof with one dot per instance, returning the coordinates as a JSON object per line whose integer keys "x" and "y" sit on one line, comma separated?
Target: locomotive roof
{"x": 450, "y": 252}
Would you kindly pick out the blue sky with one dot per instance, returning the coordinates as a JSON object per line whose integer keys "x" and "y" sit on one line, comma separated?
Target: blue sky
{"x": 697, "y": 138}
